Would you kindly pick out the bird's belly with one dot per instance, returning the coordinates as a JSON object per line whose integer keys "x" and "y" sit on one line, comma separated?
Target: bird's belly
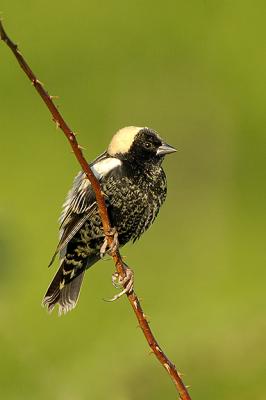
{"x": 133, "y": 214}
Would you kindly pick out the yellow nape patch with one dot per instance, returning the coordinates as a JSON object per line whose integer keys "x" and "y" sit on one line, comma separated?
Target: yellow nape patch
{"x": 122, "y": 140}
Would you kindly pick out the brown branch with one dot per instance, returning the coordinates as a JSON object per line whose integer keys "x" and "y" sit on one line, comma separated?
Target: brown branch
{"x": 133, "y": 299}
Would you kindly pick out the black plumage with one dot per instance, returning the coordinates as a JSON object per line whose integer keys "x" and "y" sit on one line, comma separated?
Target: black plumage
{"x": 134, "y": 185}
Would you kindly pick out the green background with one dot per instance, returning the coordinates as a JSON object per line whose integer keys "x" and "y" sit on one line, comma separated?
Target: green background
{"x": 196, "y": 72}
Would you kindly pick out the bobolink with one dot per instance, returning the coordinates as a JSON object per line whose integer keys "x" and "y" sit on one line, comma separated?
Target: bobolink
{"x": 134, "y": 185}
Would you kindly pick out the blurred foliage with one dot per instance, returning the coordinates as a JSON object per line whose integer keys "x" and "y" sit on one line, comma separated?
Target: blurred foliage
{"x": 196, "y": 72}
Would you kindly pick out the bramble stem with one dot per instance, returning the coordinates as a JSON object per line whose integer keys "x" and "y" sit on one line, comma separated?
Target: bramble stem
{"x": 132, "y": 297}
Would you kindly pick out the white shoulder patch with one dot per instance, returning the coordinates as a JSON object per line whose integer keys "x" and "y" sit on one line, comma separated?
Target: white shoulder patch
{"x": 102, "y": 167}
{"x": 123, "y": 139}
{"x": 76, "y": 199}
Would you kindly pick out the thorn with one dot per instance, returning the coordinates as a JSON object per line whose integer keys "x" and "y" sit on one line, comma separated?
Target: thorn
{"x": 188, "y": 386}
{"x": 16, "y": 47}
{"x": 81, "y": 148}
{"x": 103, "y": 194}
{"x": 146, "y": 318}
{"x": 167, "y": 367}
{"x": 180, "y": 374}
{"x": 53, "y": 97}
{"x": 158, "y": 349}
{"x": 35, "y": 81}
{"x": 57, "y": 124}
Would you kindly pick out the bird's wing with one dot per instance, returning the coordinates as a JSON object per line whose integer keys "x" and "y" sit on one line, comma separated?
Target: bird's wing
{"x": 80, "y": 203}
{"x": 81, "y": 198}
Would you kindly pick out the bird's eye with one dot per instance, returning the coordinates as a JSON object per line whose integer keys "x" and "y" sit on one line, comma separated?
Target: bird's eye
{"x": 147, "y": 145}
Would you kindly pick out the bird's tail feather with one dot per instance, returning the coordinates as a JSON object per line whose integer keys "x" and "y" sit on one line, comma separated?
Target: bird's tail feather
{"x": 66, "y": 295}
{"x": 66, "y": 284}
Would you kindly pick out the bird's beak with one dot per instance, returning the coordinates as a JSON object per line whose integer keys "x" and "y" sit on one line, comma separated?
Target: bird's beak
{"x": 165, "y": 149}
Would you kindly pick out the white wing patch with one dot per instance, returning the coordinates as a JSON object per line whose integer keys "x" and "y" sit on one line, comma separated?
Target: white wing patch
{"x": 78, "y": 198}
{"x": 102, "y": 167}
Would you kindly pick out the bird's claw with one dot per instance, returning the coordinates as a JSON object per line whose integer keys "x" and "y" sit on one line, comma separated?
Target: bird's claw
{"x": 115, "y": 279}
{"x": 105, "y": 248}
{"x": 127, "y": 282}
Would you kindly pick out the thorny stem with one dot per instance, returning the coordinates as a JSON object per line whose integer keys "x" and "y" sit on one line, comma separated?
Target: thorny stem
{"x": 134, "y": 301}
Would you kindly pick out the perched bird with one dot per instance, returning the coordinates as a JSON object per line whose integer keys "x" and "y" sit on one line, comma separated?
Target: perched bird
{"x": 134, "y": 186}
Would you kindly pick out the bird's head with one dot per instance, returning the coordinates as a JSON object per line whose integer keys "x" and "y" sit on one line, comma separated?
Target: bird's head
{"x": 139, "y": 145}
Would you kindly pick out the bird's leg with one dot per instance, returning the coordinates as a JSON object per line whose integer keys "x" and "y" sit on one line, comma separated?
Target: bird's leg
{"x": 105, "y": 248}
{"x": 126, "y": 281}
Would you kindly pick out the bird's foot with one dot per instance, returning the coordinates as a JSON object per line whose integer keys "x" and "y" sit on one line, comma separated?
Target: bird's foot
{"x": 105, "y": 248}
{"x": 127, "y": 282}
{"x": 115, "y": 280}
